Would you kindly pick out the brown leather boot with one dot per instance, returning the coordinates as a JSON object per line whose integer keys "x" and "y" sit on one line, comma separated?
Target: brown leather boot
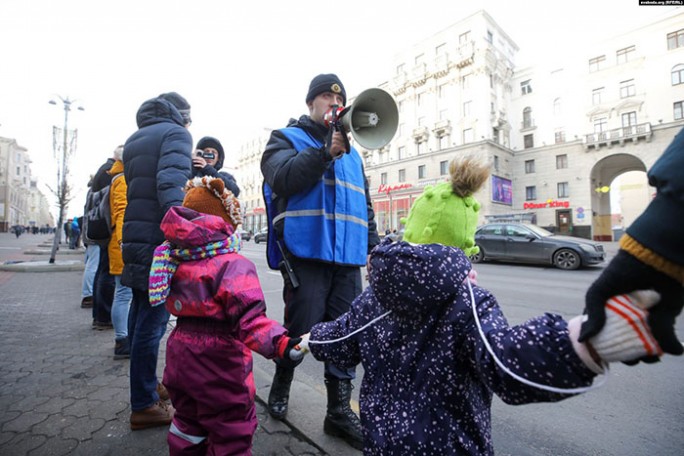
{"x": 159, "y": 414}
{"x": 162, "y": 392}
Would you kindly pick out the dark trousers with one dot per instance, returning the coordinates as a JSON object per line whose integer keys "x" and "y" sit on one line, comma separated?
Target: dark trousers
{"x": 325, "y": 292}
{"x": 146, "y": 327}
{"x": 103, "y": 289}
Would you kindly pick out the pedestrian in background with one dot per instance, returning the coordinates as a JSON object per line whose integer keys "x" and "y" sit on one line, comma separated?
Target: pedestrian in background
{"x": 92, "y": 256}
{"x": 208, "y": 160}
{"x": 216, "y": 295}
{"x": 321, "y": 228}
{"x": 122, "y": 294}
{"x": 157, "y": 164}
{"x": 103, "y": 284}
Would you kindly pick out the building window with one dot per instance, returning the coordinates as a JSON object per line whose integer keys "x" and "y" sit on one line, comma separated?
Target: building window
{"x": 467, "y": 135}
{"x": 466, "y": 108}
{"x": 496, "y": 162}
{"x": 627, "y": 89}
{"x": 561, "y": 161}
{"x": 678, "y": 74}
{"x": 629, "y": 119}
{"x": 597, "y": 95}
{"x": 443, "y": 168}
{"x": 401, "y": 152}
{"x": 383, "y": 178}
{"x": 529, "y": 141}
{"x": 421, "y": 172}
{"x": 597, "y": 63}
{"x": 402, "y": 175}
{"x": 557, "y": 109}
{"x": 625, "y": 55}
{"x": 527, "y": 117}
{"x": 529, "y": 166}
{"x": 559, "y": 136}
{"x": 563, "y": 190}
{"x": 675, "y": 39}
{"x": 464, "y": 38}
{"x": 600, "y": 125}
{"x": 679, "y": 110}
{"x": 526, "y": 87}
{"x": 531, "y": 193}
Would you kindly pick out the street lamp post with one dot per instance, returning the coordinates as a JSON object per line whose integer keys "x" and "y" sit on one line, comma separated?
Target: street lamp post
{"x": 62, "y": 191}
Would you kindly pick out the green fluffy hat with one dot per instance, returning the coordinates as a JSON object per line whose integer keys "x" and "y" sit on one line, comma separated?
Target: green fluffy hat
{"x": 447, "y": 213}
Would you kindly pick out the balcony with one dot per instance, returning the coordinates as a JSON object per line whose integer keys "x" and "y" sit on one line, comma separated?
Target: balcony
{"x": 442, "y": 128}
{"x": 618, "y": 136}
{"x": 420, "y": 134}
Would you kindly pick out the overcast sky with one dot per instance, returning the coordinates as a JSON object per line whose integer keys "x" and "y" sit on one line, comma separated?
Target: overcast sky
{"x": 243, "y": 66}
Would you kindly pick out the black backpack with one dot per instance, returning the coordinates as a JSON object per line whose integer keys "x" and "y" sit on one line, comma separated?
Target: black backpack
{"x": 97, "y": 220}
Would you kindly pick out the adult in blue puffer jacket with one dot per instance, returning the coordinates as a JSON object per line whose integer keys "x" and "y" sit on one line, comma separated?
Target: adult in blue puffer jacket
{"x": 157, "y": 164}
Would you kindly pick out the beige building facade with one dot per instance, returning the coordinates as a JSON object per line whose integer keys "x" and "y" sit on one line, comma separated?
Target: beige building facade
{"x": 21, "y": 202}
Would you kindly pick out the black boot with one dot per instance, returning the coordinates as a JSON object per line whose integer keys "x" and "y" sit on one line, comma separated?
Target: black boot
{"x": 340, "y": 419}
{"x": 280, "y": 392}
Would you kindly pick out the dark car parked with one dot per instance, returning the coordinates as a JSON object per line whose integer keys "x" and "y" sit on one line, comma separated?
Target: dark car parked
{"x": 526, "y": 243}
{"x": 261, "y": 236}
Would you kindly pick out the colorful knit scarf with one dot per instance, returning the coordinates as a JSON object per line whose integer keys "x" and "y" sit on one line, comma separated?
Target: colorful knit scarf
{"x": 166, "y": 260}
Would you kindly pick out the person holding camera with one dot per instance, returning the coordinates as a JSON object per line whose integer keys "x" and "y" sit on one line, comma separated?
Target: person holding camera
{"x": 208, "y": 160}
{"x": 321, "y": 229}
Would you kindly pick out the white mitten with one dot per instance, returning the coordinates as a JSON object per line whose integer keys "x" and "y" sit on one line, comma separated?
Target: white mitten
{"x": 626, "y": 335}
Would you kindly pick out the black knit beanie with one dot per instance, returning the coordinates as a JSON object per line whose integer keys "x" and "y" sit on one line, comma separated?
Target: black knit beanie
{"x": 326, "y": 83}
{"x": 180, "y": 103}
{"x": 208, "y": 141}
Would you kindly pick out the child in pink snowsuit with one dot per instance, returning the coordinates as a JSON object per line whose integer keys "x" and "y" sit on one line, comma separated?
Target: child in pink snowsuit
{"x": 216, "y": 295}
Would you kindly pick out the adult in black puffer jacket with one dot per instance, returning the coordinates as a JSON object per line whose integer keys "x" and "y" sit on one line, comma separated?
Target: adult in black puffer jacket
{"x": 157, "y": 165}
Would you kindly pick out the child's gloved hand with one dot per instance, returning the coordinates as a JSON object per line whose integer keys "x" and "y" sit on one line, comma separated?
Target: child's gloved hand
{"x": 624, "y": 274}
{"x": 626, "y": 336}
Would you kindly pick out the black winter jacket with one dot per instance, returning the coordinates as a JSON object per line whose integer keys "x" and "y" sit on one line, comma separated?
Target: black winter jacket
{"x": 157, "y": 165}
{"x": 288, "y": 172}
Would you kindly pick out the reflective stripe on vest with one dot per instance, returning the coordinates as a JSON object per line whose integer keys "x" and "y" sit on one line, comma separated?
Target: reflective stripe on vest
{"x": 329, "y": 221}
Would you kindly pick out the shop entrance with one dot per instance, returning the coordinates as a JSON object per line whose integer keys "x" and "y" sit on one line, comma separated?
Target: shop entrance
{"x": 564, "y": 221}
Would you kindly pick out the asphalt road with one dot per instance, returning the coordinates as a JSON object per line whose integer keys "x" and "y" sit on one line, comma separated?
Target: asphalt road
{"x": 639, "y": 411}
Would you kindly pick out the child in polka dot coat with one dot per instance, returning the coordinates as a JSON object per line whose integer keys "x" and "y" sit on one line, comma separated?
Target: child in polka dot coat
{"x": 429, "y": 377}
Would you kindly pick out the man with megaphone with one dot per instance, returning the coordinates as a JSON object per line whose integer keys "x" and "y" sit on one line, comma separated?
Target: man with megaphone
{"x": 321, "y": 228}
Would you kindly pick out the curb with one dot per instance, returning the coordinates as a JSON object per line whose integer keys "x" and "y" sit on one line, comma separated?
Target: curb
{"x": 306, "y": 413}
{"x": 43, "y": 266}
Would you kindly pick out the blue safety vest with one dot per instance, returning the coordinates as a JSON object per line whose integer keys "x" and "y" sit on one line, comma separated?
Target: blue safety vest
{"x": 329, "y": 221}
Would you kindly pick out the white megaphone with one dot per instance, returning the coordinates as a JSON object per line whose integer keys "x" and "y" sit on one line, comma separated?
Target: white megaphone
{"x": 372, "y": 118}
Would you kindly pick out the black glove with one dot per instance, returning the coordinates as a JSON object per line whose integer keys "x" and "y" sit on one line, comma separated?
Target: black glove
{"x": 624, "y": 274}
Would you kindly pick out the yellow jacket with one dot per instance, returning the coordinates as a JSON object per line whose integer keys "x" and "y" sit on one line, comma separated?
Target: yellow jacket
{"x": 117, "y": 207}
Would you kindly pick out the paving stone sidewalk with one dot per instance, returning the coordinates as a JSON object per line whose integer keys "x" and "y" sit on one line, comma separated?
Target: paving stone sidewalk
{"x": 61, "y": 393}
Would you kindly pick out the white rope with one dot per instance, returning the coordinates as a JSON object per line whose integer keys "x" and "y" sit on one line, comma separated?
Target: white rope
{"x": 552, "y": 389}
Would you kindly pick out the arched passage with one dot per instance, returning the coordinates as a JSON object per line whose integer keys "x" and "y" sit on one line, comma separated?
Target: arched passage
{"x": 602, "y": 176}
